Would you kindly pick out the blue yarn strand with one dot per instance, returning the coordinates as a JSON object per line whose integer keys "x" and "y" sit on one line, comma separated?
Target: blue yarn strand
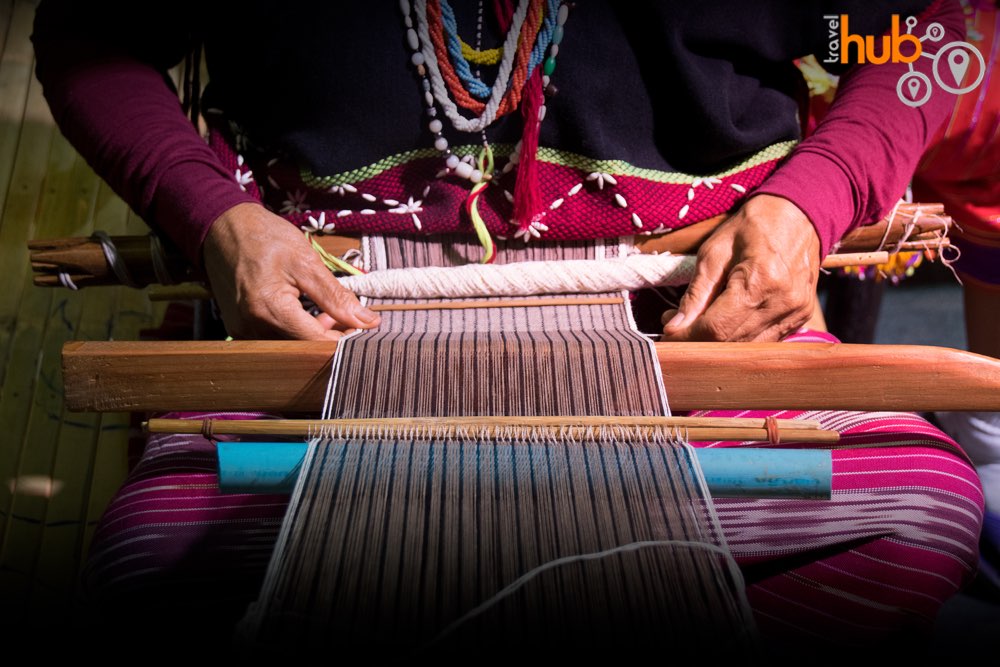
{"x": 475, "y": 86}
{"x": 544, "y": 36}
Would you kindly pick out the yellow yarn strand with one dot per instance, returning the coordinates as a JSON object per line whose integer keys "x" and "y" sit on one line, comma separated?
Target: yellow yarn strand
{"x": 335, "y": 264}
{"x": 477, "y": 57}
{"x": 478, "y": 224}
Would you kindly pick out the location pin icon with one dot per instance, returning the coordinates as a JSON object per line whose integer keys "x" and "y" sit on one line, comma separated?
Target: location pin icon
{"x": 914, "y": 86}
{"x": 958, "y": 63}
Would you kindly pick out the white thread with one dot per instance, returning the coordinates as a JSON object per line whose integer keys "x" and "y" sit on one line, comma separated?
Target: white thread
{"x": 568, "y": 560}
{"x": 66, "y": 281}
{"x": 114, "y": 259}
{"x": 949, "y": 262}
{"x": 888, "y": 227}
{"x": 159, "y": 260}
{"x": 579, "y": 276}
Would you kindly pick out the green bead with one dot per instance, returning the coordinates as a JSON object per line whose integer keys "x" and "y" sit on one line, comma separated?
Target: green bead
{"x": 557, "y": 35}
{"x": 549, "y": 66}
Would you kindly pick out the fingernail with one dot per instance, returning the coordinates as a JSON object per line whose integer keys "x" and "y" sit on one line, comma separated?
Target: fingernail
{"x": 364, "y": 314}
{"x": 677, "y": 320}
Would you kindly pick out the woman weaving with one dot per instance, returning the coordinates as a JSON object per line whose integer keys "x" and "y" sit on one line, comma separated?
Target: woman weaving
{"x": 528, "y": 124}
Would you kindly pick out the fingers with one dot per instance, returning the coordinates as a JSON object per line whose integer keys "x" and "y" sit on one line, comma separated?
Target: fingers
{"x": 258, "y": 266}
{"x": 300, "y": 325}
{"x": 337, "y": 302}
{"x": 328, "y": 322}
{"x": 709, "y": 279}
{"x": 746, "y": 311}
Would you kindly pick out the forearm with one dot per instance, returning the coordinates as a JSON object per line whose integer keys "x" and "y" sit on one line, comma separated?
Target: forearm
{"x": 856, "y": 165}
{"x": 124, "y": 117}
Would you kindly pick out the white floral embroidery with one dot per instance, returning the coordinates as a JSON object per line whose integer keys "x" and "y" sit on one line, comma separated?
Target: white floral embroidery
{"x": 411, "y": 206}
{"x": 533, "y": 230}
{"x": 296, "y": 203}
{"x": 243, "y": 178}
{"x": 318, "y": 225}
{"x": 342, "y": 189}
{"x": 601, "y": 178}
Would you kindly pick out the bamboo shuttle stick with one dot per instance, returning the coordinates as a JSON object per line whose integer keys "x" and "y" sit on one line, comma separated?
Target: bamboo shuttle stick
{"x": 700, "y": 429}
{"x": 301, "y": 426}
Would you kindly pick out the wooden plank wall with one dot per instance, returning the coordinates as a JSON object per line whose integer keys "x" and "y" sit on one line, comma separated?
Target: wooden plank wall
{"x": 58, "y": 470}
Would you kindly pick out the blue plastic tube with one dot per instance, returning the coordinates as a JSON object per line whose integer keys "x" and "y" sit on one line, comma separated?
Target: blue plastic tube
{"x": 737, "y": 472}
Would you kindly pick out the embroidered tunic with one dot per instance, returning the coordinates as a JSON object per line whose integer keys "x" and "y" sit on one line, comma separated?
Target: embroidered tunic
{"x": 687, "y": 106}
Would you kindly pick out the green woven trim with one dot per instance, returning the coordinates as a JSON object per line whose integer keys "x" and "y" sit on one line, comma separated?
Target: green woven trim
{"x": 552, "y": 156}
{"x": 390, "y": 162}
{"x": 621, "y": 168}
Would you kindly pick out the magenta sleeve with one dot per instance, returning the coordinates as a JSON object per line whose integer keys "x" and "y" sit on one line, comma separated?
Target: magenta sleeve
{"x": 856, "y": 165}
{"x": 123, "y": 115}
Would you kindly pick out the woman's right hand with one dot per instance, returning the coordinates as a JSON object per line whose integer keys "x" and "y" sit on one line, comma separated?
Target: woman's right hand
{"x": 258, "y": 266}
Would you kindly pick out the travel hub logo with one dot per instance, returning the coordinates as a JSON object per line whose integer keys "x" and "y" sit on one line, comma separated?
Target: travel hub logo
{"x": 951, "y": 66}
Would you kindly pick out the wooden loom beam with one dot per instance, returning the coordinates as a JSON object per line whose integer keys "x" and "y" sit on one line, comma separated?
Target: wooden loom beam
{"x": 292, "y": 376}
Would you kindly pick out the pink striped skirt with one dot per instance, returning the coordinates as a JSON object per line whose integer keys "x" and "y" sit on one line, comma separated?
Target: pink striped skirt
{"x": 869, "y": 567}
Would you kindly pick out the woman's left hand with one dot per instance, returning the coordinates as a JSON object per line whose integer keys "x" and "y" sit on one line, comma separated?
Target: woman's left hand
{"x": 755, "y": 279}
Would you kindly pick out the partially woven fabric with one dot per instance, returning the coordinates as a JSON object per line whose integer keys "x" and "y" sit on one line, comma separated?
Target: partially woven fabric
{"x": 399, "y": 543}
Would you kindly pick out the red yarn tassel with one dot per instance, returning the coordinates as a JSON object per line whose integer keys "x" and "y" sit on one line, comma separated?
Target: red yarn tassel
{"x": 504, "y": 9}
{"x": 527, "y": 193}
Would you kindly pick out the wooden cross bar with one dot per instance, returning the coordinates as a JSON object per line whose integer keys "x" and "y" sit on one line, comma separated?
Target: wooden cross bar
{"x": 292, "y": 376}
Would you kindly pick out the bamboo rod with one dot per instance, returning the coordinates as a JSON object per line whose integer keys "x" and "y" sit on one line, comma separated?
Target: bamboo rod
{"x": 937, "y": 243}
{"x": 855, "y": 259}
{"x": 292, "y": 376}
{"x": 303, "y": 426}
{"x": 697, "y": 430}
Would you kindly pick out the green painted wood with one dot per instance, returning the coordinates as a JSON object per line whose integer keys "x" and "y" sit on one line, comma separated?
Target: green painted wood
{"x": 6, "y": 14}
{"x": 16, "y": 68}
{"x": 19, "y": 215}
{"x": 58, "y": 554}
{"x": 34, "y": 419}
